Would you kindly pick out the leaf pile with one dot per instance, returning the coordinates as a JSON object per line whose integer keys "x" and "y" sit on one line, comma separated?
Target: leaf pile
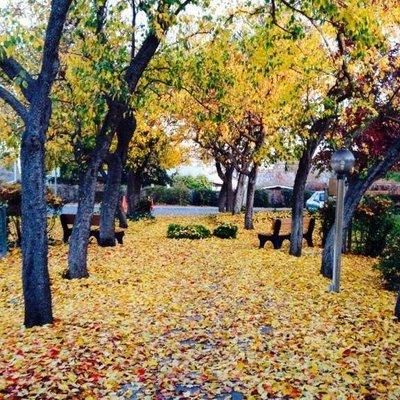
{"x": 208, "y": 319}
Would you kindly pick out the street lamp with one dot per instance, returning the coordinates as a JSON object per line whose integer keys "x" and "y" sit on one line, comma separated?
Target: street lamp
{"x": 342, "y": 162}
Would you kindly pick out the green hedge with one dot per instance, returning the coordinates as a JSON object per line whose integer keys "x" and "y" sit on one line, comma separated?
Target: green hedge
{"x": 373, "y": 223}
{"x": 143, "y": 211}
{"x": 389, "y": 262}
{"x": 204, "y": 197}
{"x": 173, "y": 195}
{"x": 207, "y": 197}
{"x": 182, "y": 196}
{"x": 176, "y": 231}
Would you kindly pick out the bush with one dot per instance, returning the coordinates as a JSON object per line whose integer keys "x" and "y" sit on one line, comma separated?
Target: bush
{"x": 373, "y": 224}
{"x": 261, "y": 198}
{"x": 226, "y": 231}
{"x": 389, "y": 263}
{"x": 204, "y": 197}
{"x": 176, "y": 231}
{"x": 287, "y": 197}
{"x": 192, "y": 182}
{"x": 143, "y": 211}
{"x": 182, "y": 196}
{"x": 165, "y": 195}
{"x": 373, "y": 221}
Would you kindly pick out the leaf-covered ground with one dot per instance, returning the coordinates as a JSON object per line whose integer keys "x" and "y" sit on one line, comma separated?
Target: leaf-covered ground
{"x": 211, "y": 319}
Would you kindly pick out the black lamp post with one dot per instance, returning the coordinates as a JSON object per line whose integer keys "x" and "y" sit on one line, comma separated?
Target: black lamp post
{"x": 342, "y": 162}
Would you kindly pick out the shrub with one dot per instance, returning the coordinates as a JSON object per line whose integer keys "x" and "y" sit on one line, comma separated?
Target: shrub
{"x": 192, "y": 182}
{"x": 373, "y": 221}
{"x": 261, "y": 198}
{"x": 204, "y": 197}
{"x": 165, "y": 195}
{"x": 389, "y": 262}
{"x": 182, "y": 196}
{"x": 176, "y": 231}
{"x": 226, "y": 231}
{"x": 372, "y": 225}
{"x": 307, "y": 195}
{"x": 287, "y": 197}
{"x": 143, "y": 211}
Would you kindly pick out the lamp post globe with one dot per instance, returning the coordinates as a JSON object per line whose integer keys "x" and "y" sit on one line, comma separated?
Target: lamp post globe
{"x": 342, "y": 161}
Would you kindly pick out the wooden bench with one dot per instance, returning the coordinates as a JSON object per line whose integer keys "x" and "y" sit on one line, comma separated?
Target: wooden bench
{"x": 67, "y": 222}
{"x": 281, "y": 229}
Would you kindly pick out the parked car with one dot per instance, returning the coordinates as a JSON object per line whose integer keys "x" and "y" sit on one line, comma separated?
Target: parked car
{"x": 316, "y": 201}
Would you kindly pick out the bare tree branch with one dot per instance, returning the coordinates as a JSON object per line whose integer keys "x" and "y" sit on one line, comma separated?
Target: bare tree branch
{"x": 13, "y": 69}
{"x": 13, "y": 102}
{"x": 50, "y": 63}
{"x": 182, "y": 6}
{"x": 133, "y": 38}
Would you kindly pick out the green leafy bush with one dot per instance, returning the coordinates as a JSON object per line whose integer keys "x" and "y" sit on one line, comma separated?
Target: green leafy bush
{"x": 261, "y": 198}
{"x": 182, "y": 196}
{"x": 389, "y": 262}
{"x": 226, "y": 231}
{"x": 143, "y": 211}
{"x": 176, "y": 231}
{"x": 173, "y": 195}
{"x": 204, "y": 197}
{"x": 372, "y": 224}
{"x": 192, "y": 182}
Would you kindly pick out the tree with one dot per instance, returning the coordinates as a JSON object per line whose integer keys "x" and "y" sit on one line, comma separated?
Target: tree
{"x": 151, "y": 149}
{"x": 377, "y": 150}
{"x": 348, "y": 34}
{"x": 29, "y": 97}
{"x": 369, "y": 124}
{"x": 86, "y": 113}
{"x": 161, "y": 15}
{"x": 260, "y": 78}
{"x": 101, "y": 72}
{"x": 252, "y": 130}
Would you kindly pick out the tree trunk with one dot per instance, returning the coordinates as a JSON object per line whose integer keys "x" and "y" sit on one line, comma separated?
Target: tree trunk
{"x": 35, "y": 273}
{"x": 226, "y": 195}
{"x": 78, "y": 242}
{"x": 251, "y": 188}
{"x": 230, "y": 195}
{"x": 116, "y": 164}
{"x": 296, "y": 236}
{"x": 356, "y": 190}
{"x": 121, "y": 215}
{"x": 397, "y": 308}
{"x": 317, "y": 131}
{"x": 135, "y": 182}
{"x": 110, "y": 200}
{"x": 77, "y": 256}
{"x": 222, "y": 198}
{"x": 36, "y": 116}
{"x": 239, "y": 193}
